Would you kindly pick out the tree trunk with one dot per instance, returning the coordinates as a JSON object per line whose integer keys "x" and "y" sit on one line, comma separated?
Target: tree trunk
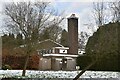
{"x": 25, "y": 65}
{"x": 84, "y": 70}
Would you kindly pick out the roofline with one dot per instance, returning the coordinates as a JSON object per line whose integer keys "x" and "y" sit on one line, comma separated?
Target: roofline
{"x": 61, "y": 47}
{"x": 59, "y": 55}
{"x": 51, "y": 41}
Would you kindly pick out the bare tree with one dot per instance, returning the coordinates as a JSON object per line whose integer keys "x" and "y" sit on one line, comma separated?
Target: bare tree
{"x": 115, "y": 6}
{"x": 99, "y": 10}
{"x": 82, "y": 40}
{"x": 29, "y": 19}
{"x": 53, "y": 32}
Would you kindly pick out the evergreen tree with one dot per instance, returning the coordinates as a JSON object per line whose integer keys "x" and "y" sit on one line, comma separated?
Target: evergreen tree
{"x": 4, "y": 39}
{"x": 19, "y": 40}
{"x": 45, "y": 35}
{"x": 64, "y": 38}
{"x": 104, "y": 41}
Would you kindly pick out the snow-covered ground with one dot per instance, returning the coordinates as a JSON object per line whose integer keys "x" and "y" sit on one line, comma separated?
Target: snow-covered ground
{"x": 58, "y": 74}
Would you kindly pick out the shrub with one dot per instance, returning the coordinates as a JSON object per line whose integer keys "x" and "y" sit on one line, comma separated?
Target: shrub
{"x": 5, "y": 67}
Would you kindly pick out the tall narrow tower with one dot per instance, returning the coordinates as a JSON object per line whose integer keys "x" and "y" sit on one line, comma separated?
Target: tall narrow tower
{"x": 73, "y": 34}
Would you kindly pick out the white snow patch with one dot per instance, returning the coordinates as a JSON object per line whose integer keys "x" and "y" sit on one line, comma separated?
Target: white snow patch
{"x": 58, "y": 74}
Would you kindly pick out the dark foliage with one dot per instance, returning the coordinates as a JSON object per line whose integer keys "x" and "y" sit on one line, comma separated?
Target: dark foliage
{"x": 106, "y": 64}
{"x": 103, "y": 46}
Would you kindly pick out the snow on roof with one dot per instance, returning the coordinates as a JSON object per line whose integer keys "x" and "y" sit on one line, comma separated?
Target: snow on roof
{"x": 73, "y": 16}
{"x": 61, "y": 47}
{"x": 59, "y": 55}
{"x": 51, "y": 41}
{"x": 69, "y": 58}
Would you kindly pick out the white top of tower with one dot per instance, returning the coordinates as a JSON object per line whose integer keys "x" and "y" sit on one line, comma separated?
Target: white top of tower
{"x": 73, "y": 16}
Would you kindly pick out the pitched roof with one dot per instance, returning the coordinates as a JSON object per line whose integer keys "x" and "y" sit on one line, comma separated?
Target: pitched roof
{"x": 51, "y": 41}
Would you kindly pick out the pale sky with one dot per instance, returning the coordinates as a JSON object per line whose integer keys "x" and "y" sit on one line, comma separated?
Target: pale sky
{"x": 82, "y": 9}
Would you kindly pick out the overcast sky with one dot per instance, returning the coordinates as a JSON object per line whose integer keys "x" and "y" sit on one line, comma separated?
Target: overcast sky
{"x": 82, "y": 9}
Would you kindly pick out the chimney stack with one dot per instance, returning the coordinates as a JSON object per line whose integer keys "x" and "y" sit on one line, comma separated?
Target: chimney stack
{"x": 73, "y": 34}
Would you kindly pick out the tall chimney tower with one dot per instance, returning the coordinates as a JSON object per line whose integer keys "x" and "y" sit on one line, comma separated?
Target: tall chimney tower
{"x": 73, "y": 34}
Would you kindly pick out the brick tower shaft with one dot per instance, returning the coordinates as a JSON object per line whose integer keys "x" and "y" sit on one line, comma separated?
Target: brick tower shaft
{"x": 73, "y": 34}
